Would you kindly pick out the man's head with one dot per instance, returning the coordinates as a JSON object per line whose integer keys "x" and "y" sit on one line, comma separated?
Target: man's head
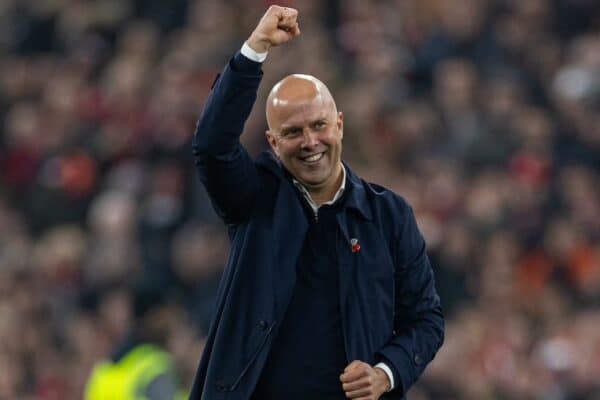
{"x": 305, "y": 131}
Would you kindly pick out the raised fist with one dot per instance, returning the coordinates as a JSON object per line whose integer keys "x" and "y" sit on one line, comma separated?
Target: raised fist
{"x": 277, "y": 26}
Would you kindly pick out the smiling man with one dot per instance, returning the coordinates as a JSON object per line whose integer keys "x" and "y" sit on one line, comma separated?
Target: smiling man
{"x": 328, "y": 292}
{"x": 305, "y": 132}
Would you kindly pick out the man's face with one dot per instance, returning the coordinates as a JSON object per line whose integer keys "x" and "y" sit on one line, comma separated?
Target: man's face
{"x": 306, "y": 134}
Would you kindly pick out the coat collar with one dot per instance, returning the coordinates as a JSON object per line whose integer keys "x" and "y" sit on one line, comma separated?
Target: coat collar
{"x": 356, "y": 198}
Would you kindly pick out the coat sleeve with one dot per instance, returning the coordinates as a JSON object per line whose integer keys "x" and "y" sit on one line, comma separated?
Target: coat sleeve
{"x": 224, "y": 166}
{"x": 418, "y": 319}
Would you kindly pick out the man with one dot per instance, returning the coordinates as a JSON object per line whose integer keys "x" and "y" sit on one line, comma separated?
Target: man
{"x": 328, "y": 292}
{"x": 140, "y": 368}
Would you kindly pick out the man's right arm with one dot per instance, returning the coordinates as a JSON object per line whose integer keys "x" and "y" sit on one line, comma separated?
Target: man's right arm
{"x": 224, "y": 166}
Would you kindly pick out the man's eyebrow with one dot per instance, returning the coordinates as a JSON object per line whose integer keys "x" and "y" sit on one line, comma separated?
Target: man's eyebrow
{"x": 289, "y": 127}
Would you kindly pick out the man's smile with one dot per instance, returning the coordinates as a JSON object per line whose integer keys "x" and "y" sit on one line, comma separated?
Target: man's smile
{"x": 313, "y": 158}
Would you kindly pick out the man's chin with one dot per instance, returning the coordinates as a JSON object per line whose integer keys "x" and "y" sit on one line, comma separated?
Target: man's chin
{"x": 311, "y": 182}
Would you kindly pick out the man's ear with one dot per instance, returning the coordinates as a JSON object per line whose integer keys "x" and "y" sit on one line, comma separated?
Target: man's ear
{"x": 272, "y": 142}
{"x": 340, "y": 123}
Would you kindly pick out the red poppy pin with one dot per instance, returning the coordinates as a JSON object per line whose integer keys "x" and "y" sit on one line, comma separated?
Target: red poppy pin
{"x": 355, "y": 245}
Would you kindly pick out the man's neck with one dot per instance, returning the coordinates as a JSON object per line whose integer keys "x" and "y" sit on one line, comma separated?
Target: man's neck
{"x": 320, "y": 197}
{"x": 328, "y": 194}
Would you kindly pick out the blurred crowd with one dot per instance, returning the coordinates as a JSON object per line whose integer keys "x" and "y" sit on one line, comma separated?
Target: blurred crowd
{"x": 484, "y": 114}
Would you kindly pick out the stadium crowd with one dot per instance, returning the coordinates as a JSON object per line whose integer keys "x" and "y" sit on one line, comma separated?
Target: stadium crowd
{"x": 484, "y": 114}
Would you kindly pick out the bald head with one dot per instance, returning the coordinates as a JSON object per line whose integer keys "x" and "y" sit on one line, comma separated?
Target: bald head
{"x": 305, "y": 133}
{"x": 295, "y": 93}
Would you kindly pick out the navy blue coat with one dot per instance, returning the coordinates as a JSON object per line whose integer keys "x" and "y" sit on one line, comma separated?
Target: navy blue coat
{"x": 389, "y": 305}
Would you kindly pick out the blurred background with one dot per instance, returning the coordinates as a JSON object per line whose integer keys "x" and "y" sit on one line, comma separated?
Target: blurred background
{"x": 484, "y": 114}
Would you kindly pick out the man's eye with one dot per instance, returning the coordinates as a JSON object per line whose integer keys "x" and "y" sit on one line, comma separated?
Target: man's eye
{"x": 291, "y": 132}
{"x": 319, "y": 124}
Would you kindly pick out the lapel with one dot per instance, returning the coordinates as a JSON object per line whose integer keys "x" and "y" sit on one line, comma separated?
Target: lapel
{"x": 357, "y": 199}
{"x": 356, "y": 212}
{"x": 289, "y": 229}
{"x": 291, "y": 226}
{"x": 356, "y": 202}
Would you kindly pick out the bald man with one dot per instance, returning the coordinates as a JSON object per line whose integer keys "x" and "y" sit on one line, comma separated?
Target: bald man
{"x": 302, "y": 104}
{"x": 328, "y": 292}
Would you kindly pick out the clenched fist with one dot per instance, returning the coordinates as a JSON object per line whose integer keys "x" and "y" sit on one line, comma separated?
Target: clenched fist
{"x": 277, "y": 26}
{"x": 361, "y": 381}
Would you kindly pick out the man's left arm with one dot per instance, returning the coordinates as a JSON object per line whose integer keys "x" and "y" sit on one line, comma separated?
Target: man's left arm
{"x": 418, "y": 319}
{"x": 418, "y": 322}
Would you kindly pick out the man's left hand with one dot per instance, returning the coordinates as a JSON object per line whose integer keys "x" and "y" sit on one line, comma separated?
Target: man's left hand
{"x": 363, "y": 382}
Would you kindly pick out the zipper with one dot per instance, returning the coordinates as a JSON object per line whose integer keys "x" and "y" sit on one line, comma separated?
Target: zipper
{"x": 235, "y": 384}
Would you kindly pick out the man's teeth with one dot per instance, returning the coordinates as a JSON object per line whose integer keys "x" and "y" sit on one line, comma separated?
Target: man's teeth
{"x": 314, "y": 158}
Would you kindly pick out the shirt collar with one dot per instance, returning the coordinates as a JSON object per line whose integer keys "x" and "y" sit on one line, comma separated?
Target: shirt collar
{"x": 357, "y": 189}
{"x": 310, "y": 200}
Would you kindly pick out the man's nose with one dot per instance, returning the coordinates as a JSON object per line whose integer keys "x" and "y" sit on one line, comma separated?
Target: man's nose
{"x": 310, "y": 138}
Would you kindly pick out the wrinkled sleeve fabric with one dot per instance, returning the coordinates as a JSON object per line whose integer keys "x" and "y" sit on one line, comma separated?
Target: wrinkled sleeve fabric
{"x": 418, "y": 318}
{"x": 224, "y": 167}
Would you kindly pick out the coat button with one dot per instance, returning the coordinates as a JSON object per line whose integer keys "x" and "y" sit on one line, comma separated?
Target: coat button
{"x": 263, "y": 325}
{"x": 221, "y": 386}
{"x": 418, "y": 359}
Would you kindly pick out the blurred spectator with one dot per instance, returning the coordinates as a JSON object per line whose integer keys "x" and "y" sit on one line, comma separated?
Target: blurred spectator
{"x": 140, "y": 365}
